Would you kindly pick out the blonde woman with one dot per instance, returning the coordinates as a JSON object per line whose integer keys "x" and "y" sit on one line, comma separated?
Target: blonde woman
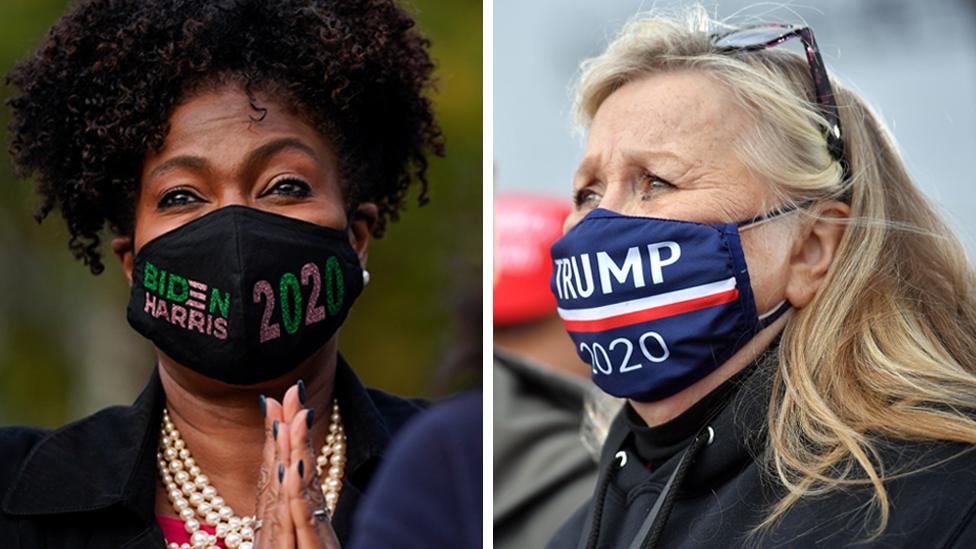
{"x": 750, "y": 265}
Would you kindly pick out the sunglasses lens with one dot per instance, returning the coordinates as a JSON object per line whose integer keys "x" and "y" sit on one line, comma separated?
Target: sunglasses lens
{"x": 760, "y": 37}
{"x": 751, "y": 37}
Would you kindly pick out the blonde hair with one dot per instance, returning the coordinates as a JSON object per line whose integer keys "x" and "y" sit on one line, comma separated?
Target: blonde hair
{"x": 888, "y": 345}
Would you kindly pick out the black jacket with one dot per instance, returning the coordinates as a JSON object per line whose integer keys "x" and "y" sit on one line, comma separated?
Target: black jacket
{"x": 723, "y": 493}
{"x": 92, "y": 483}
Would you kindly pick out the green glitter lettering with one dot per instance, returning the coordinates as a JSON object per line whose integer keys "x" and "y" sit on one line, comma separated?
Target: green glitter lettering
{"x": 162, "y": 283}
{"x": 150, "y": 276}
{"x": 334, "y": 286}
{"x": 177, "y": 280}
{"x": 222, "y": 304}
{"x": 291, "y": 317}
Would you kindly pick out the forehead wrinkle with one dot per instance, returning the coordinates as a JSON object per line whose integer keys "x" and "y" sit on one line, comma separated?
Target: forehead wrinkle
{"x": 588, "y": 166}
{"x": 596, "y": 163}
{"x": 691, "y": 133}
{"x": 220, "y": 107}
{"x": 684, "y": 113}
{"x": 661, "y": 162}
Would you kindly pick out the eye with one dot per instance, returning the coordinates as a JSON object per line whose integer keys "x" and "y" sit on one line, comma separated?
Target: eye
{"x": 586, "y": 198}
{"x": 177, "y": 197}
{"x": 289, "y": 186}
{"x": 651, "y": 182}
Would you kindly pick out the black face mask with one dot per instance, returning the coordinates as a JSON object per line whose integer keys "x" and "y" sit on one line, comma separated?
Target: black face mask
{"x": 242, "y": 295}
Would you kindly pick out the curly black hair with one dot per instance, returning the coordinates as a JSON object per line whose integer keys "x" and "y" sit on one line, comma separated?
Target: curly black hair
{"x": 98, "y": 93}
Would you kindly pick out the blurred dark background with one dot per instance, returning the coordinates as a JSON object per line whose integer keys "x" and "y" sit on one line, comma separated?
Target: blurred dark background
{"x": 65, "y": 347}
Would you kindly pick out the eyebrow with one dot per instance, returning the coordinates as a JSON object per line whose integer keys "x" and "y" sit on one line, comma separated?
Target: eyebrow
{"x": 183, "y": 161}
{"x": 591, "y": 164}
{"x": 271, "y": 148}
{"x": 259, "y": 155}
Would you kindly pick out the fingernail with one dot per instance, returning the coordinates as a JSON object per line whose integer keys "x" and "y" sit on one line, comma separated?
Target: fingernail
{"x": 281, "y": 472}
{"x": 301, "y": 468}
{"x": 308, "y": 418}
{"x": 264, "y": 406}
{"x": 274, "y": 429}
{"x": 301, "y": 391}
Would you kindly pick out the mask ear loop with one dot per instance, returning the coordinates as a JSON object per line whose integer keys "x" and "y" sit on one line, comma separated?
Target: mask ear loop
{"x": 769, "y": 317}
{"x": 766, "y": 217}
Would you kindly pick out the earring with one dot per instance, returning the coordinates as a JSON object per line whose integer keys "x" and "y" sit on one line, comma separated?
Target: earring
{"x": 365, "y": 277}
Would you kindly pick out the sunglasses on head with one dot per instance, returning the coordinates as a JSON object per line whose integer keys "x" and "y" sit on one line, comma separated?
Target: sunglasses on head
{"x": 765, "y": 36}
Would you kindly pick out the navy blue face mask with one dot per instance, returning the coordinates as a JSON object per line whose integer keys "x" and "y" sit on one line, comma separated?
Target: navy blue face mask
{"x": 654, "y": 305}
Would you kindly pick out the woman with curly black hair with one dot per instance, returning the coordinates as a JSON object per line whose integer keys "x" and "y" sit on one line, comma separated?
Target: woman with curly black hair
{"x": 242, "y": 153}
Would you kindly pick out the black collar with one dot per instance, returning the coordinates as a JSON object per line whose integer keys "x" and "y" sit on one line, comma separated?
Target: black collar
{"x": 109, "y": 458}
{"x": 92, "y": 463}
{"x": 739, "y": 433}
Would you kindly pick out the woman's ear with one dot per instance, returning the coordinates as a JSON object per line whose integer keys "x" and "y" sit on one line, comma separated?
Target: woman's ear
{"x": 361, "y": 226}
{"x": 815, "y": 250}
{"x": 122, "y": 248}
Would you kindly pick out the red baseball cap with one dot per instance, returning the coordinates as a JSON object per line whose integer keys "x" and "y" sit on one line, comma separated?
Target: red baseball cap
{"x": 526, "y": 225}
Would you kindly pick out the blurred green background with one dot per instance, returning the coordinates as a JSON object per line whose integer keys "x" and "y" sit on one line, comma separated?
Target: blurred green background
{"x": 66, "y": 349}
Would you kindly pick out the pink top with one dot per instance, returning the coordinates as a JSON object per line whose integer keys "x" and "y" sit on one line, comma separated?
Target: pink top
{"x": 175, "y": 531}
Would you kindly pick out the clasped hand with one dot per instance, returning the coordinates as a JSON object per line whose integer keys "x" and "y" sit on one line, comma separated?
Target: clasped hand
{"x": 290, "y": 505}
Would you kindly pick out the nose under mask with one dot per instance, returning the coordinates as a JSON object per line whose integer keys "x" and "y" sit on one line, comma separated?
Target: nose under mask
{"x": 242, "y": 295}
{"x": 655, "y": 305}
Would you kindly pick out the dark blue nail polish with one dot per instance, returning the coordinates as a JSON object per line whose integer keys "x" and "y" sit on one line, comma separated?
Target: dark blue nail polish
{"x": 274, "y": 429}
{"x": 301, "y": 468}
{"x": 308, "y": 418}
{"x": 281, "y": 472}
{"x": 264, "y": 406}
{"x": 301, "y": 391}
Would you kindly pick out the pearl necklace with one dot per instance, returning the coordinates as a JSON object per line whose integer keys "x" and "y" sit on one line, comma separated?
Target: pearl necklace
{"x": 192, "y": 495}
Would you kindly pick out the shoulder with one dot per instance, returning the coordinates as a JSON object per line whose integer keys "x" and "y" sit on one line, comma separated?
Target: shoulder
{"x": 17, "y": 440}
{"x": 436, "y": 461}
{"x": 453, "y": 425}
{"x": 79, "y": 465}
{"x": 449, "y": 432}
{"x": 936, "y": 493}
{"x": 931, "y": 489}
{"x": 16, "y": 443}
{"x": 373, "y": 409}
{"x": 944, "y": 468}
{"x": 395, "y": 411}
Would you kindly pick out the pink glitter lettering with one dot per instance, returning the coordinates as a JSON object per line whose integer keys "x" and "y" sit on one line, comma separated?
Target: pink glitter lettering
{"x": 220, "y": 328}
{"x": 179, "y": 315}
{"x": 191, "y": 314}
{"x": 313, "y": 314}
{"x": 161, "y": 311}
{"x": 196, "y": 321}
